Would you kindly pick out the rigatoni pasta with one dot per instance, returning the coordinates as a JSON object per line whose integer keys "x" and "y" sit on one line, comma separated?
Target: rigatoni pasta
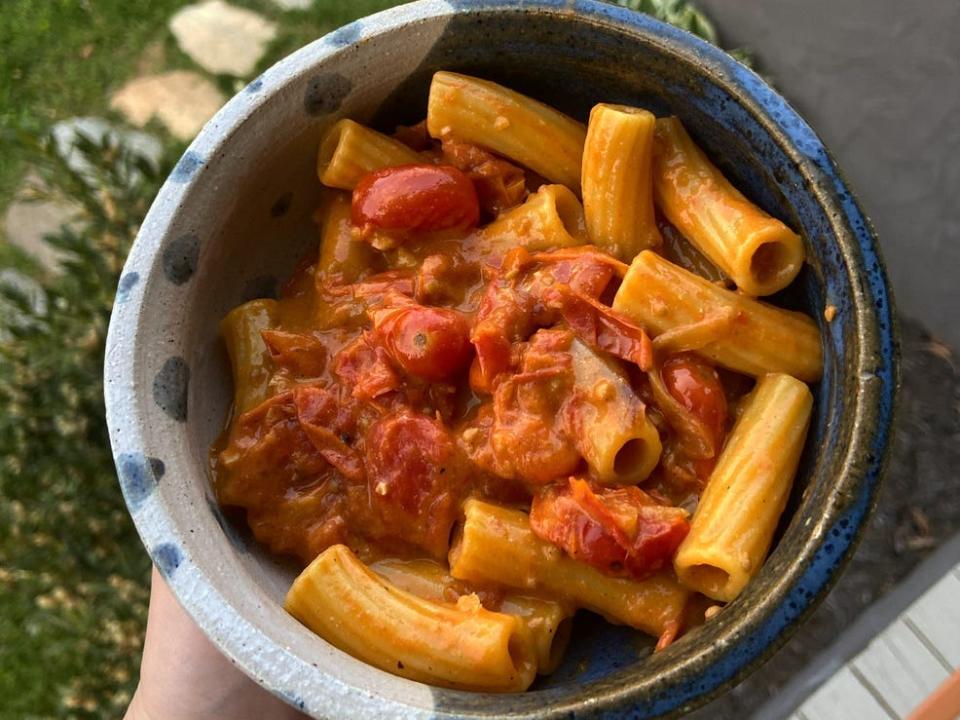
{"x": 342, "y": 259}
{"x": 348, "y": 151}
{"x": 552, "y": 217}
{"x": 738, "y": 513}
{"x": 464, "y": 647}
{"x": 762, "y": 339}
{"x": 617, "y": 180}
{"x": 614, "y": 434}
{"x": 508, "y": 123}
{"x": 760, "y": 253}
{"x": 468, "y": 417}
{"x": 495, "y": 544}
{"x": 249, "y": 357}
{"x": 547, "y": 622}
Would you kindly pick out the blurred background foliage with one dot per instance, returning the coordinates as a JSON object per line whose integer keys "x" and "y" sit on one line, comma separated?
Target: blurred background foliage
{"x": 73, "y": 575}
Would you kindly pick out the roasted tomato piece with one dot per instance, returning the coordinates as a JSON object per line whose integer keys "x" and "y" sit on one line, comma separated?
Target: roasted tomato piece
{"x": 601, "y": 327}
{"x": 695, "y": 384}
{"x": 585, "y": 269}
{"x": 530, "y": 291}
{"x": 302, "y": 355}
{"x": 527, "y": 439}
{"x": 272, "y": 469}
{"x": 415, "y": 198}
{"x": 427, "y": 342}
{"x": 617, "y": 530}
{"x": 414, "y": 476}
{"x": 505, "y": 316}
{"x": 500, "y": 184}
{"x": 365, "y": 367}
{"x": 331, "y": 427}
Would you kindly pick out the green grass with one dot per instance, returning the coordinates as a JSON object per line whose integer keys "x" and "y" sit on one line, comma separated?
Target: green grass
{"x": 63, "y": 58}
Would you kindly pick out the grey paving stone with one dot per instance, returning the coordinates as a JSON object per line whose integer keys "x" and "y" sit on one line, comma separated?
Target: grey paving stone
{"x": 27, "y": 222}
{"x": 182, "y": 100}
{"x": 222, "y": 38}
{"x": 292, "y": 4}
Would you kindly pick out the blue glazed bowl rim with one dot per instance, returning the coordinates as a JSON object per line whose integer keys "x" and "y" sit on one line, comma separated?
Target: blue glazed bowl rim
{"x": 747, "y": 643}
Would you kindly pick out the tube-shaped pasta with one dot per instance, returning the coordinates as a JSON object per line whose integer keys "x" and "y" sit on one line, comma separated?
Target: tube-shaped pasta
{"x": 249, "y": 357}
{"x": 759, "y": 253}
{"x": 463, "y": 646}
{"x": 734, "y": 523}
{"x": 659, "y": 295}
{"x": 506, "y": 122}
{"x": 550, "y": 218}
{"x": 348, "y": 151}
{"x": 342, "y": 258}
{"x": 496, "y": 544}
{"x": 617, "y": 180}
{"x": 424, "y": 578}
{"x": 547, "y": 622}
{"x": 614, "y": 435}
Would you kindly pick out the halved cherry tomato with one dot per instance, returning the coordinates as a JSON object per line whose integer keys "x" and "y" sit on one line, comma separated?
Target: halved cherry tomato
{"x": 695, "y": 384}
{"x": 430, "y": 343}
{"x": 618, "y": 530}
{"x": 415, "y": 198}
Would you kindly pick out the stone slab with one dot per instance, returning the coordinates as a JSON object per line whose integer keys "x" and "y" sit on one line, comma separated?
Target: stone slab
{"x": 222, "y": 38}
{"x": 182, "y": 100}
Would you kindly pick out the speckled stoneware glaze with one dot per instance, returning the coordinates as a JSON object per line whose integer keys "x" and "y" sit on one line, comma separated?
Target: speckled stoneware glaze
{"x": 234, "y": 217}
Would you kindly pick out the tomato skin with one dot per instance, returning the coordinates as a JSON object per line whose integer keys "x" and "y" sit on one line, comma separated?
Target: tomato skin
{"x": 617, "y": 530}
{"x": 415, "y": 198}
{"x": 695, "y": 384}
{"x": 427, "y": 342}
{"x": 414, "y": 480}
{"x": 406, "y": 458}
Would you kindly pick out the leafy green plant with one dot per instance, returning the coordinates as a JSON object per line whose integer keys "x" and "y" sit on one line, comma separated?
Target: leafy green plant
{"x": 73, "y": 574}
{"x": 686, "y": 16}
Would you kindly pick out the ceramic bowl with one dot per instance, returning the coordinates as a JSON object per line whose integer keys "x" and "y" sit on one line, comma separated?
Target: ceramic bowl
{"x": 234, "y": 217}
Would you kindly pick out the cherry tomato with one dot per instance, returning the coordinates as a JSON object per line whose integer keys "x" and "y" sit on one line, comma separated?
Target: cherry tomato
{"x": 408, "y": 459}
{"x": 430, "y": 343}
{"x": 617, "y": 530}
{"x": 695, "y": 384}
{"x": 415, "y": 198}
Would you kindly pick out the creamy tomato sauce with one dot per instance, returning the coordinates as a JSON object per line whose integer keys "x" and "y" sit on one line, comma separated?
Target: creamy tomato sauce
{"x": 444, "y": 370}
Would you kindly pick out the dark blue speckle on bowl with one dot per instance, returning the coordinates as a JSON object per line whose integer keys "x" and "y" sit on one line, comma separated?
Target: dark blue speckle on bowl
{"x": 325, "y": 92}
{"x": 180, "y": 258}
{"x": 167, "y": 557}
{"x": 186, "y": 167}
{"x": 128, "y": 281}
{"x": 234, "y": 217}
{"x": 170, "y": 386}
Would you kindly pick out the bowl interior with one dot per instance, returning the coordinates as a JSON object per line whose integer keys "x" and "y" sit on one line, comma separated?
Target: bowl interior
{"x": 235, "y": 218}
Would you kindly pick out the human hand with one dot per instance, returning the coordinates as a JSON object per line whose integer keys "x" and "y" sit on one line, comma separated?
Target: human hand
{"x": 184, "y": 677}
